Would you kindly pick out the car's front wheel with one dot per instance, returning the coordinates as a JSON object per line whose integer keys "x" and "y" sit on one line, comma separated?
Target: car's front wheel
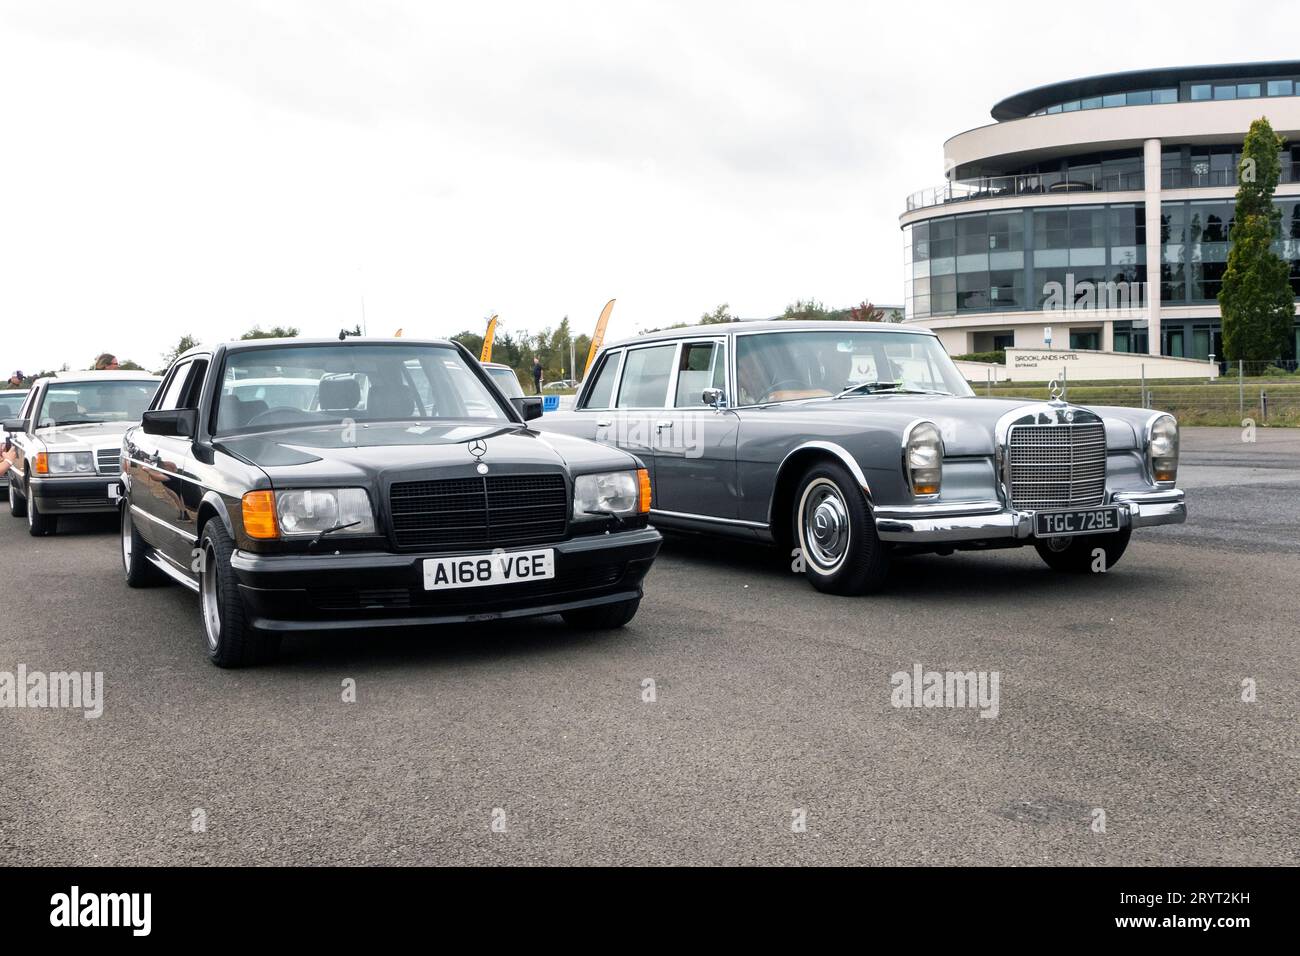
{"x": 231, "y": 639}
{"x": 838, "y": 545}
{"x": 38, "y": 523}
{"x": 140, "y": 571}
{"x": 17, "y": 503}
{"x": 602, "y": 617}
{"x": 1083, "y": 553}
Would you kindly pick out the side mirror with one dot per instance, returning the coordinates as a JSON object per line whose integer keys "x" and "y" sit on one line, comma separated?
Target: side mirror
{"x": 175, "y": 422}
{"x": 714, "y": 398}
{"x": 529, "y": 407}
{"x": 15, "y": 425}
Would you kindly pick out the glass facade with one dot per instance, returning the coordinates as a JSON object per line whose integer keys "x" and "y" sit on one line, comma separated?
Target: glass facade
{"x": 988, "y": 262}
{"x": 1194, "y": 247}
{"x": 1190, "y": 91}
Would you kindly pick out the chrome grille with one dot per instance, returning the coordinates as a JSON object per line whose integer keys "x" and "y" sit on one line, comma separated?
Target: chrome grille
{"x": 490, "y": 512}
{"x": 1057, "y": 466}
{"x": 108, "y": 461}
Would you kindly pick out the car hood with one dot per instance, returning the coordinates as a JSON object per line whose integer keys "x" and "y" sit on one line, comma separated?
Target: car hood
{"x": 377, "y": 450}
{"x": 63, "y": 438}
{"x": 968, "y": 423}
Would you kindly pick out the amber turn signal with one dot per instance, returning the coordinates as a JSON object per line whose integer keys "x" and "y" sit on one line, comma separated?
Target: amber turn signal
{"x": 643, "y": 499}
{"x": 42, "y": 463}
{"x": 259, "y": 515}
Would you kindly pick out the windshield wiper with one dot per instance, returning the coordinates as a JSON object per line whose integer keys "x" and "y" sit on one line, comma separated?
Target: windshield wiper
{"x": 870, "y": 388}
{"x": 338, "y": 527}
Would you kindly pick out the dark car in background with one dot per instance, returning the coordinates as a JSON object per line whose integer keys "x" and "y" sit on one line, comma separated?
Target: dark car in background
{"x": 402, "y": 489}
{"x": 68, "y": 435}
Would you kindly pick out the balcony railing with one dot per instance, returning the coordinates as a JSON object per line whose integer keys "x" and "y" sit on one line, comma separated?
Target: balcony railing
{"x": 1199, "y": 175}
{"x": 1034, "y": 184}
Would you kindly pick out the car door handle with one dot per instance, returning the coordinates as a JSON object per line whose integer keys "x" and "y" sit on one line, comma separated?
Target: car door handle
{"x": 663, "y": 424}
{"x": 602, "y": 423}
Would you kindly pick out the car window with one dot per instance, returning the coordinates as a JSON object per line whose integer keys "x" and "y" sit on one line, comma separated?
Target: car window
{"x": 318, "y": 384}
{"x": 645, "y": 377}
{"x": 175, "y": 389}
{"x": 816, "y": 363}
{"x": 102, "y": 400}
{"x": 702, "y": 365}
{"x": 11, "y": 403}
{"x": 507, "y": 381}
{"x": 602, "y": 387}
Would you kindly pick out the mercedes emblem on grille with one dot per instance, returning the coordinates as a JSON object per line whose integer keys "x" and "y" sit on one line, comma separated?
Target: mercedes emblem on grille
{"x": 478, "y": 448}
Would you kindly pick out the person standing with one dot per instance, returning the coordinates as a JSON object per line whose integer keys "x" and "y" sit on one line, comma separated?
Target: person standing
{"x": 537, "y": 375}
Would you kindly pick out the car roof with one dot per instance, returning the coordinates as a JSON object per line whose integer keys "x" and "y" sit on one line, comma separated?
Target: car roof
{"x": 771, "y": 325}
{"x": 105, "y": 375}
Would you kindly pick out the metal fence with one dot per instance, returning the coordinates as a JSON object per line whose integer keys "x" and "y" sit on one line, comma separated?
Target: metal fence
{"x": 1263, "y": 392}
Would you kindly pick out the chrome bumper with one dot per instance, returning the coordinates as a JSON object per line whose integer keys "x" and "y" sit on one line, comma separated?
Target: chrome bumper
{"x": 985, "y": 521}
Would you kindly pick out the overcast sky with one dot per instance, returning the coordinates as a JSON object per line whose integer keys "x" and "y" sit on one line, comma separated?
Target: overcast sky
{"x": 172, "y": 167}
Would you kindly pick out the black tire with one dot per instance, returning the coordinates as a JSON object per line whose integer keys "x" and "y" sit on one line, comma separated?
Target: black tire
{"x": 602, "y": 617}
{"x": 139, "y": 570}
{"x": 38, "y": 524}
{"x": 835, "y": 533}
{"x": 1075, "y": 555}
{"x": 17, "y": 503}
{"x": 231, "y": 640}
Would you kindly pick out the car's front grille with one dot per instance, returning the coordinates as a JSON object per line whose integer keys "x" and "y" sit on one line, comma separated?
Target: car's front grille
{"x": 488, "y": 512}
{"x": 108, "y": 461}
{"x": 1057, "y": 466}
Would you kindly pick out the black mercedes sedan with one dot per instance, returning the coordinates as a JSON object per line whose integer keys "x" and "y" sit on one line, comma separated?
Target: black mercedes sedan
{"x": 300, "y": 485}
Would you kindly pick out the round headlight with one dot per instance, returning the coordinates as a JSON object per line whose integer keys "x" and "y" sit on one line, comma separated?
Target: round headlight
{"x": 1162, "y": 449}
{"x": 923, "y": 459}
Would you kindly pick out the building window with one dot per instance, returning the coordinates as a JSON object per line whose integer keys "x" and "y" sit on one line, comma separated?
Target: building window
{"x": 1281, "y": 88}
{"x": 1247, "y": 91}
{"x": 1225, "y": 92}
{"x": 1164, "y": 96}
{"x": 1200, "y": 91}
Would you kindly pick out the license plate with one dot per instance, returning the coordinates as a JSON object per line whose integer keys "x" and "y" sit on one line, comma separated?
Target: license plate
{"x": 481, "y": 570}
{"x": 1053, "y": 524}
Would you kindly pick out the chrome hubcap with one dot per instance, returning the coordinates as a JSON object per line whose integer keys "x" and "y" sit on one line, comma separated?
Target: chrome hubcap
{"x": 825, "y": 524}
{"x": 211, "y": 597}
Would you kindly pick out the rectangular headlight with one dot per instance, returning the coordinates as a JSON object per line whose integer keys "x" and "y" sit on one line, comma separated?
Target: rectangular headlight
{"x": 67, "y": 463}
{"x": 613, "y": 492}
{"x": 309, "y": 511}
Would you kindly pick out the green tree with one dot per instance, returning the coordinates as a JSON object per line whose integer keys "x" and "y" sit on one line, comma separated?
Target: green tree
{"x": 474, "y": 342}
{"x": 186, "y": 343}
{"x": 274, "y": 332}
{"x": 811, "y": 309}
{"x": 130, "y": 366}
{"x": 719, "y": 315}
{"x": 1256, "y": 300}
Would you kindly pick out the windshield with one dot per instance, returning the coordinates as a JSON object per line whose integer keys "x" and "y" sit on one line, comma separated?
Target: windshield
{"x": 81, "y": 403}
{"x": 323, "y": 384}
{"x": 507, "y": 381}
{"x": 10, "y": 403}
{"x": 788, "y": 366}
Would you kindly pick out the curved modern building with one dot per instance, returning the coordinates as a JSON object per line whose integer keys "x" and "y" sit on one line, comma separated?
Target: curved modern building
{"x": 1100, "y": 208}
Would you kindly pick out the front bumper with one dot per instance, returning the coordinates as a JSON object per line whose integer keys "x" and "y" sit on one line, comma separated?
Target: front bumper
{"x": 76, "y": 495}
{"x": 992, "y": 521}
{"x": 326, "y": 592}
